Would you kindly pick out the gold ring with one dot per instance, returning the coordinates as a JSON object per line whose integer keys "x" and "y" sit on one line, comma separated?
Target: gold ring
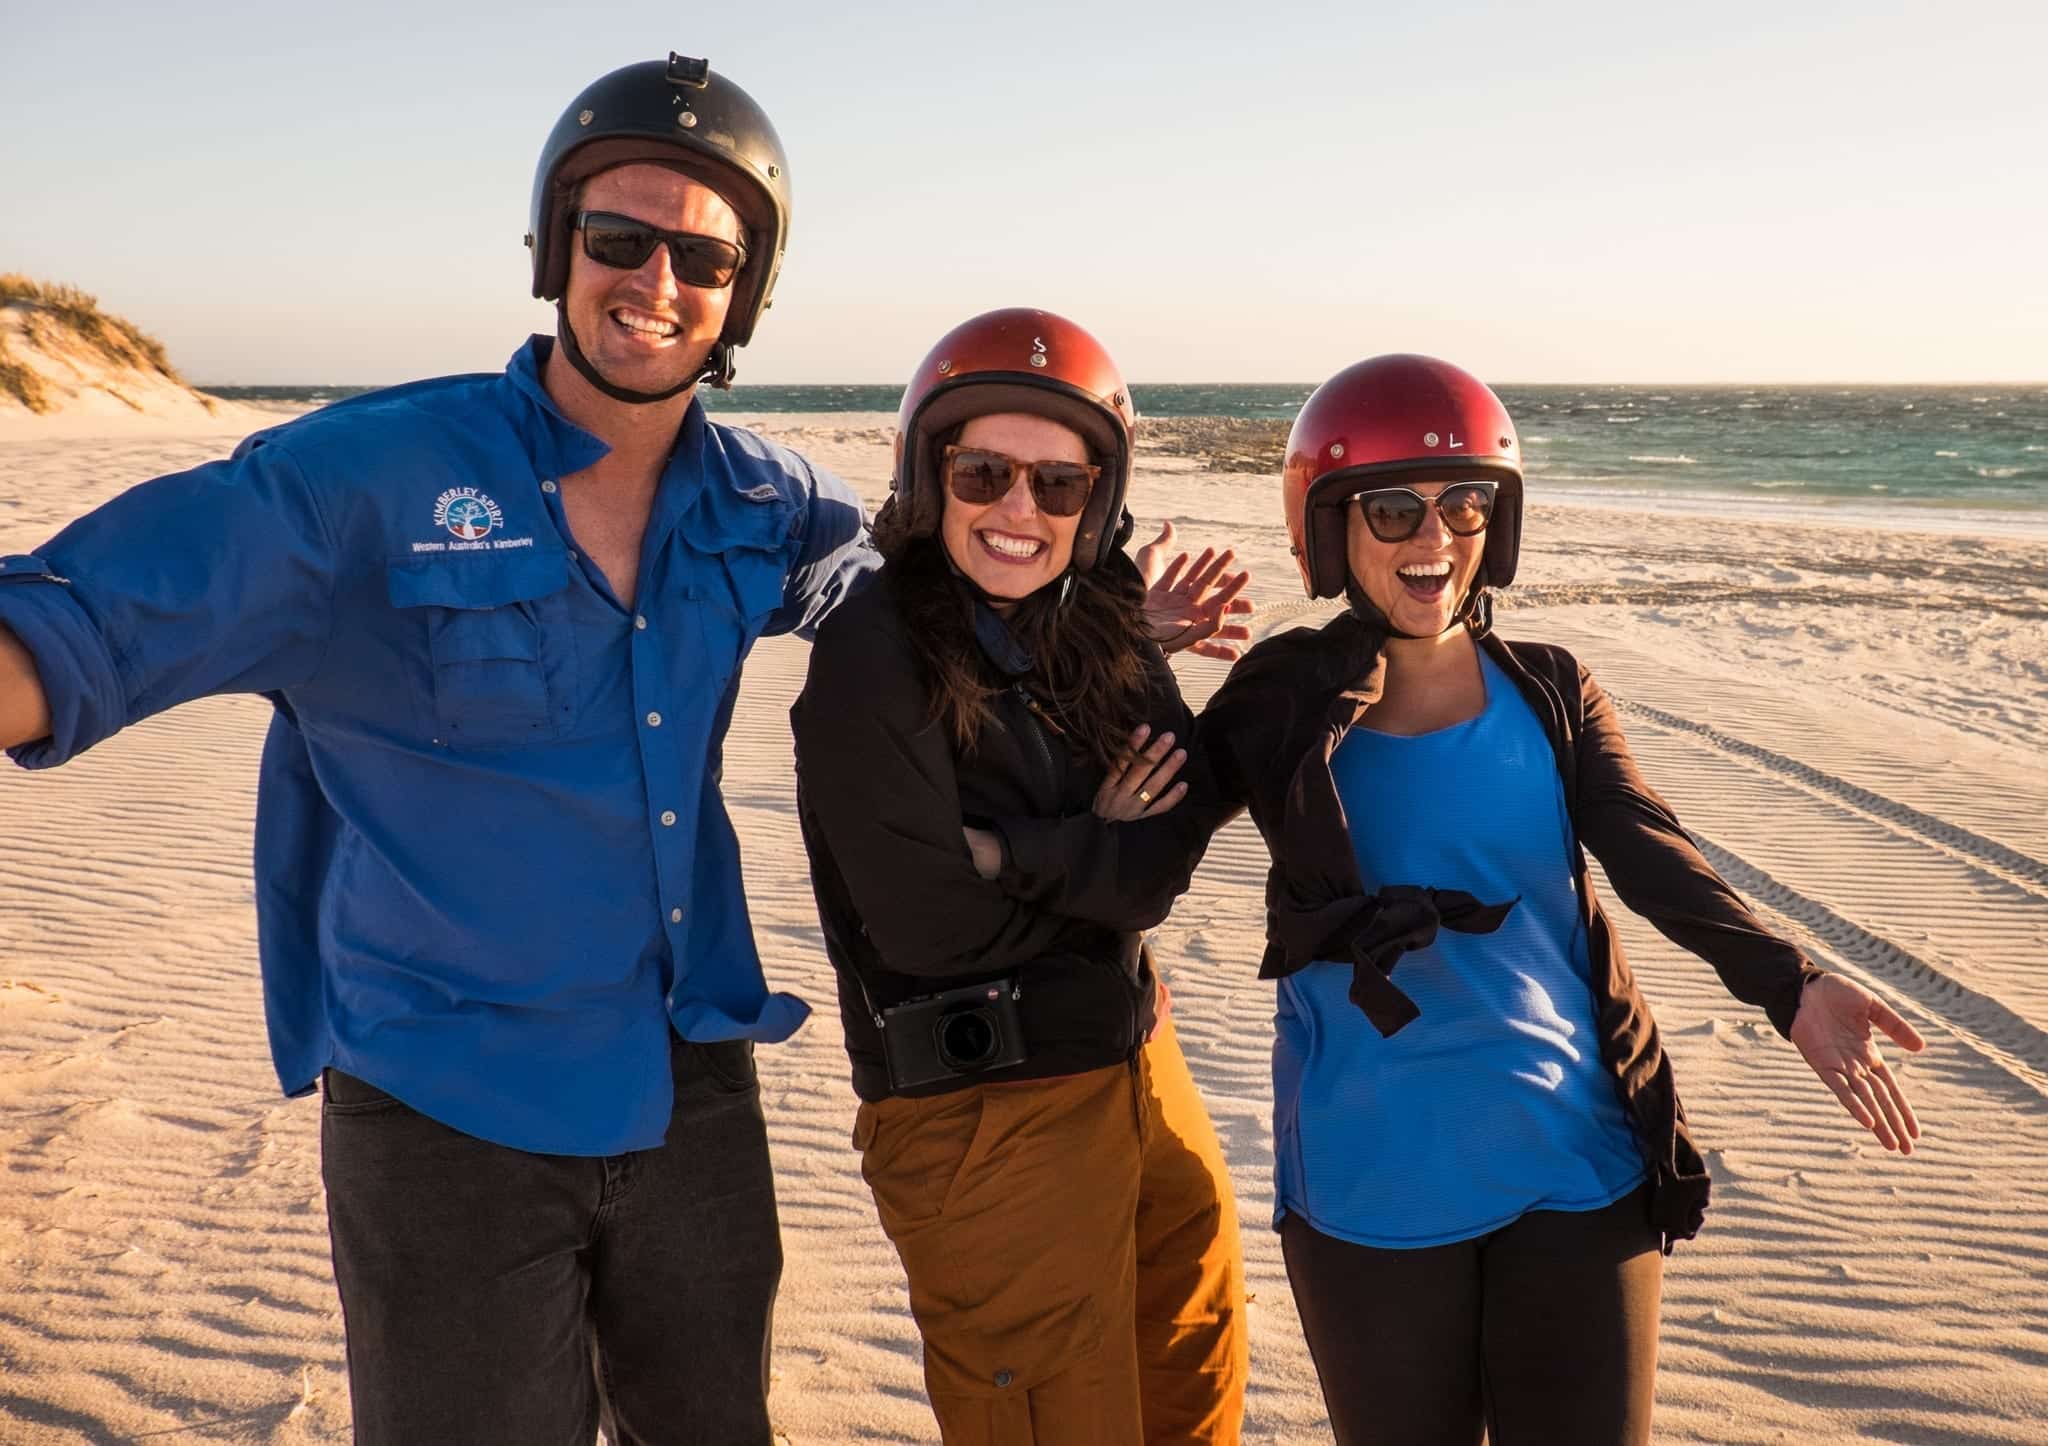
{"x": 1144, "y": 796}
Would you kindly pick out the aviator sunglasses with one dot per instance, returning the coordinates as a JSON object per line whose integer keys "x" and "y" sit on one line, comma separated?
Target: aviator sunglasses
{"x": 1395, "y": 514}
{"x": 978, "y": 476}
{"x": 625, "y": 244}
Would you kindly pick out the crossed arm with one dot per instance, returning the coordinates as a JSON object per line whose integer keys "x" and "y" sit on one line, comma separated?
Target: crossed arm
{"x": 24, "y": 710}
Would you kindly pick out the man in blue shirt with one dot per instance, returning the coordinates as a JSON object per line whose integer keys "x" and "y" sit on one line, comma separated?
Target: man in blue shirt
{"x": 502, "y": 619}
{"x": 499, "y": 909}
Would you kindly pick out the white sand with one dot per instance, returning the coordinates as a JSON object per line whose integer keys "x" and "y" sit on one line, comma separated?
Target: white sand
{"x": 1851, "y": 719}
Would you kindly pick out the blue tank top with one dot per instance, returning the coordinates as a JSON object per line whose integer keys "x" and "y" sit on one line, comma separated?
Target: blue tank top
{"x": 1494, "y": 1102}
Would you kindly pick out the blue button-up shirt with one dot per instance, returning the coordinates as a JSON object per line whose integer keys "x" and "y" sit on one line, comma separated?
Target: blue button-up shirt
{"x": 492, "y": 863}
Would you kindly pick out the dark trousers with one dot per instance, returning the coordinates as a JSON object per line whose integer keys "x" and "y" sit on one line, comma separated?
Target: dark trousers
{"x": 491, "y": 1295}
{"x": 1542, "y": 1333}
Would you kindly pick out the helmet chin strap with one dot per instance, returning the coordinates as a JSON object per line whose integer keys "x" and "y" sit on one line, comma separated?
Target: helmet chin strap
{"x": 1065, "y": 583}
{"x": 1474, "y": 612}
{"x": 717, "y": 367}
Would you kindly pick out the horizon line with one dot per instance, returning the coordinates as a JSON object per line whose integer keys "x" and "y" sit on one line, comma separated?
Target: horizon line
{"x": 1310, "y": 385}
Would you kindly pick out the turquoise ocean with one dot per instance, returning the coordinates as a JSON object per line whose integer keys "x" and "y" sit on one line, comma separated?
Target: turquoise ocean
{"x": 1975, "y": 449}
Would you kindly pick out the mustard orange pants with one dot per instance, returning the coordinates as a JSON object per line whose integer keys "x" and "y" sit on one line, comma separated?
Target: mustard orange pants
{"x": 1072, "y": 1251}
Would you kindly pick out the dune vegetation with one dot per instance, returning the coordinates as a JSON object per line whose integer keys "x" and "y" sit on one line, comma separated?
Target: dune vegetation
{"x": 62, "y": 318}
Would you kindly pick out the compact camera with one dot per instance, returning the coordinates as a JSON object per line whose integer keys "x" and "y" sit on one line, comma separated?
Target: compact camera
{"x": 953, "y": 1034}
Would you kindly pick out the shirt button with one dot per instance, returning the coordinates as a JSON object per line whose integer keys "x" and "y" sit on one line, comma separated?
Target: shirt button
{"x": 1003, "y": 1378}
{"x": 547, "y": 487}
{"x": 675, "y": 916}
{"x": 640, "y": 621}
{"x": 668, "y": 818}
{"x": 653, "y": 720}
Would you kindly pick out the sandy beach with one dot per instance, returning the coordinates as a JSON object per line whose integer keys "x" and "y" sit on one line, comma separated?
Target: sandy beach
{"x": 1850, "y": 717}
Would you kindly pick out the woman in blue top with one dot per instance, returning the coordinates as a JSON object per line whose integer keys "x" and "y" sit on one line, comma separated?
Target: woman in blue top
{"x": 1479, "y": 1153}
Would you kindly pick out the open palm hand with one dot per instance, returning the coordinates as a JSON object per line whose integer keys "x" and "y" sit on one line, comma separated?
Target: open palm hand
{"x": 1835, "y": 1030}
{"x": 1187, "y": 606}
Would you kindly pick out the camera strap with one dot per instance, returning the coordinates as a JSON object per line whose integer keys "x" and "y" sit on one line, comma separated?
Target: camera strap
{"x": 1012, "y": 986}
{"x": 868, "y": 999}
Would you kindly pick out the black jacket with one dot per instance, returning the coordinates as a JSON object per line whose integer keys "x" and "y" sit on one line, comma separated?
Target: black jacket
{"x": 1268, "y": 735}
{"x": 882, "y": 798}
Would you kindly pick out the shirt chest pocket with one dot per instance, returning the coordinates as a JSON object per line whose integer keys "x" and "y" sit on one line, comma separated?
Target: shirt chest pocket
{"x": 756, "y": 575}
{"x": 733, "y": 572}
{"x": 500, "y": 648}
{"x": 735, "y": 608}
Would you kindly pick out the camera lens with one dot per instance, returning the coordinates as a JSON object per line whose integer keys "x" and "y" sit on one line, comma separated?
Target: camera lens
{"x": 967, "y": 1039}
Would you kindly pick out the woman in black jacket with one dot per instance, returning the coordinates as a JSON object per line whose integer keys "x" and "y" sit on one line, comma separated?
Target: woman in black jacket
{"x": 986, "y": 754}
{"x": 1478, "y": 1145}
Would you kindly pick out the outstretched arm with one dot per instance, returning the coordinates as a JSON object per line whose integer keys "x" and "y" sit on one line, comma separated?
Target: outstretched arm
{"x": 24, "y": 709}
{"x": 216, "y": 580}
{"x": 1661, "y": 874}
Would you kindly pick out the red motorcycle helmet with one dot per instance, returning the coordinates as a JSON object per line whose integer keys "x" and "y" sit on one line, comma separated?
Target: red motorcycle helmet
{"x": 1388, "y": 421}
{"x": 1017, "y": 360}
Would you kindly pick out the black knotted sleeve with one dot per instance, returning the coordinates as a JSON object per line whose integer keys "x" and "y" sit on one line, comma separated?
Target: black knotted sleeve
{"x": 1373, "y": 933}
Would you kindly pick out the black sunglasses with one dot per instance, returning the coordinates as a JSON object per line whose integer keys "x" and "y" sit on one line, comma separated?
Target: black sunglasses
{"x": 1395, "y": 514}
{"x": 625, "y": 244}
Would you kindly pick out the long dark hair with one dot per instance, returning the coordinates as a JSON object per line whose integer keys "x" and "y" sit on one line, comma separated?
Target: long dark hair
{"x": 1088, "y": 643}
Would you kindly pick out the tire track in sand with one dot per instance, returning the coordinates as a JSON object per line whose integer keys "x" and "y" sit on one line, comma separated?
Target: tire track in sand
{"x": 1982, "y": 1022}
{"x": 1833, "y": 911}
{"x": 2008, "y": 864}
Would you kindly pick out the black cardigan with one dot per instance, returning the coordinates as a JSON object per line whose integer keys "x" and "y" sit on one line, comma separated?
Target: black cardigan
{"x": 1268, "y": 735}
{"x": 882, "y": 796}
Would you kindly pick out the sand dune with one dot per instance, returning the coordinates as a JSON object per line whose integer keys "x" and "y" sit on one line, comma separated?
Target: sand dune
{"x": 80, "y": 388}
{"x": 1850, "y": 720}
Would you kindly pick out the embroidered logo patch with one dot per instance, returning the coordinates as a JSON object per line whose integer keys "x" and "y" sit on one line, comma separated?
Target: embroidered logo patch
{"x": 467, "y": 514}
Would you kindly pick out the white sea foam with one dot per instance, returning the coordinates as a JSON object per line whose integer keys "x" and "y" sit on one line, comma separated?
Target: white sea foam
{"x": 1948, "y": 454}
{"x": 1997, "y": 474}
{"x": 1680, "y": 460}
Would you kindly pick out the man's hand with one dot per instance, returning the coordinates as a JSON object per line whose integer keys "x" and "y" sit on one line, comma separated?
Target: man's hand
{"x": 1833, "y": 1030}
{"x": 24, "y": 709}
{"x": 1185, "y": 606}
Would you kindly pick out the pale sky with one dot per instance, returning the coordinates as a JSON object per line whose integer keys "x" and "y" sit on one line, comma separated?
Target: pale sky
{"x": 1797, "y": 190}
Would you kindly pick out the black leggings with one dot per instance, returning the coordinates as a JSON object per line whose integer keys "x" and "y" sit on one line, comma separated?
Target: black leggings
{"x": 1543, "y": 1332}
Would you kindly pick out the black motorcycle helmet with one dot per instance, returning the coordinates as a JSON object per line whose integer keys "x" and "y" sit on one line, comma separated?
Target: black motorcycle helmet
{"x": 680, "y": 115}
